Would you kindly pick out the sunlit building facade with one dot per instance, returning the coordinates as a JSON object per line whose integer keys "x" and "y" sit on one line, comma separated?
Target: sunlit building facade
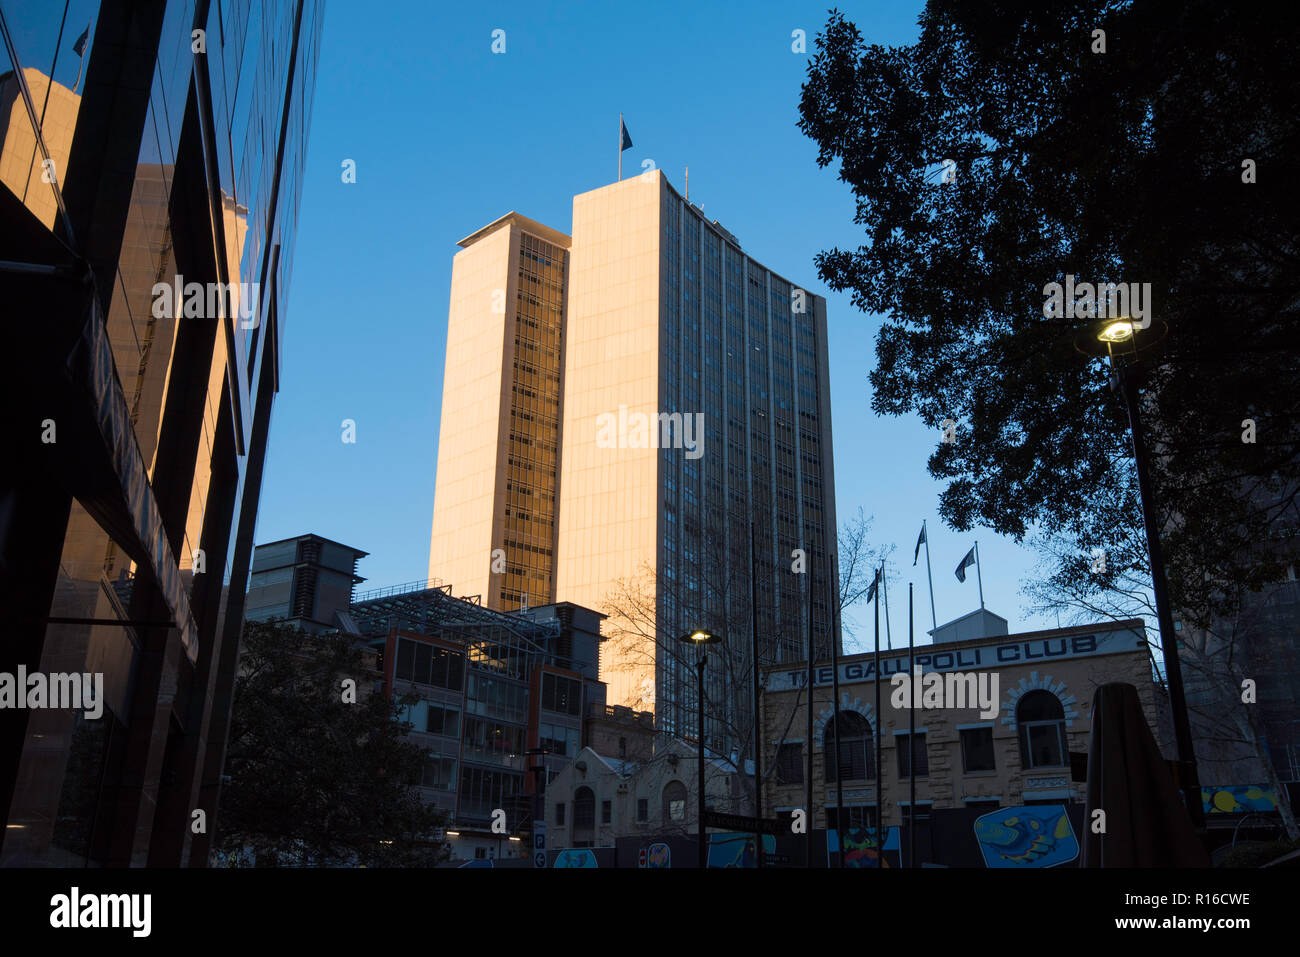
{"x": 126, "y": 521}
{"x": 498, "y": 444}
{"x": 694, "y": 431}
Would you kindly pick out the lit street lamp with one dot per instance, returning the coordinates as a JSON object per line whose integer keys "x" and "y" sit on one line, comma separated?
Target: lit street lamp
{"x": 700, "y": 639}
{"x": 1121, "y": 341}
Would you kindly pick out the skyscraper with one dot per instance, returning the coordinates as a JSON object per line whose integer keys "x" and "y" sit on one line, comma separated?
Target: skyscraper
{"x": 694, "y": 424}
{"x": 498, "y": 446}
{"x": 168, "y": 158}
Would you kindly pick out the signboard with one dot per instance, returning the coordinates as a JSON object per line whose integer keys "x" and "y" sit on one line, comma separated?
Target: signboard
{"x": 575, "y": 857}
{"x": 738, "y": 822}
{"x": 1238, "y": 799}
{"x": 657, "y": 855}
{"x": 737, "y": 850}
{"x": 986, "y": 657}
{"x": 1036, "y": 836}
{"x": 539, "y": 843}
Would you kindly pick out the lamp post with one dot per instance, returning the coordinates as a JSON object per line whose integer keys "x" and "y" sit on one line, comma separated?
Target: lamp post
{"x": 701, "y": 640}
{"x": 1121, "y": 341}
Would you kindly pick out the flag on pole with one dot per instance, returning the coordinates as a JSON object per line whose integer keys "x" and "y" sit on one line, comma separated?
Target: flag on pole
{"x": 80, "y": 46}
{"x": 966, "y": 563}
{"x": 627, "y": 140}
{"x": 920, "y": 540}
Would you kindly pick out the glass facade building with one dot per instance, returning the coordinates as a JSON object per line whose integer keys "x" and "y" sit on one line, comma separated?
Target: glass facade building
{"x": 162, "y": 149}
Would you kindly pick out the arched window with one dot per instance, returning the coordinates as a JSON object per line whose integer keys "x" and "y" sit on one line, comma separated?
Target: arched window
{"x": 1041, "y": 720}
{"x": 584, "y": 809}
{"x": 674, "y": 798}
{"x": 857, "y": 750}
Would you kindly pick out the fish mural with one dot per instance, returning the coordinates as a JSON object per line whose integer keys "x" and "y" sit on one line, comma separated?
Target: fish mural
{"x": 575, "y": 857}
{"x": 1037, "y": 836}
{"x": 1238, "y": 799}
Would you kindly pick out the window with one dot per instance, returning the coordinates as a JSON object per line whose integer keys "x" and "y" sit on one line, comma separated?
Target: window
{"x": 977, "y": 749}
{"x": 558, "y": 739}
{"x": 922, "y": 814}
{"x": 483, "y": 790}
{"x": 480, "y": 853}
{"x": 584, "y": 808}
{"x": 1041, "y": 720}
{"x": 642, "y": 809}
{"x": 440, "y": 773}
{"x": 441, "y": 720}
{"x": 493, "y": 741}
{"x": 918, "y": 751}
{"x": 561, "y": 695}
{"x": 622, "y": 747}
{"x": 789, "y": 764}
{"x": 856, "y": 761}
{"x": 559, "y": 813}
{"x": 428, "y": 664}
{"x": 674, "y": 798}
{"x": 854, "y": 817}
{"x": 984, "y": 805}
{"x": 405, "y": 659}
{"x": 606, "y": 812}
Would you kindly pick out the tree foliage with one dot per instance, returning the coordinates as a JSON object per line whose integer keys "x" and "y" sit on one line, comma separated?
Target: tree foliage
{"x": 313, "y": 777}
{"x": 1003, "y": 151}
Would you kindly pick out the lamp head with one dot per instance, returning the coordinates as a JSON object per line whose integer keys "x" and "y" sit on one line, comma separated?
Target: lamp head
{"x": 1117, "y": 337}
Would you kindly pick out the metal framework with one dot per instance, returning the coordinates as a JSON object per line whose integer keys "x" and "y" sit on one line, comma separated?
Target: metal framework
{"x": 494, "y": 641}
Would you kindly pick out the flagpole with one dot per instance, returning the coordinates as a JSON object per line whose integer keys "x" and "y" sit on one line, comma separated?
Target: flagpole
{"x": 911, "y": 733}
{"x": 880, "y": 777}
{"x": 808, "y": 781}
{"x": 758, "y": 727}
{"x": 930, "y": 575}
{"x": 884, "y": 584}
{"x": 620, "y": 147}
{"x": 834, "y": 578}
{"x": 978, "y": 577}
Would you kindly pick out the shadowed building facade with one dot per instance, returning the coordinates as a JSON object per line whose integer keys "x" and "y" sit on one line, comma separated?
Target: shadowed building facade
{"x": 140, "y": 425}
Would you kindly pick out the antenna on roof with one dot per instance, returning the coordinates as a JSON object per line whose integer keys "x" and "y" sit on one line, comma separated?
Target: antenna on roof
{"x": 688, "y": 184}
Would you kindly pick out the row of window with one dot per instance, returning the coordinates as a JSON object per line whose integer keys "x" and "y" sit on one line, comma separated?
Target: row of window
{"x": 673, "y": 803}
{"x": 428, "y": 664}
{"x": 1042, "y": 738}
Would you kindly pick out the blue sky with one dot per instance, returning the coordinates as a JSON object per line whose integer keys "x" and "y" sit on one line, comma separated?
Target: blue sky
{"x": 447, "y": 136}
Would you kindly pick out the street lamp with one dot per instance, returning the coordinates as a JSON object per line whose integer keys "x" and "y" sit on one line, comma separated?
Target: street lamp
{"x": 1121, "y": 341}
{"x": 700, "y": 639}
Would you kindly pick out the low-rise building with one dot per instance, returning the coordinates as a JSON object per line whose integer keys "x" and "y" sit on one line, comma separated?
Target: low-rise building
{"x": 501, "y": 695}
{"x": 996, "y": 719}
{"x": 597, "y": 800}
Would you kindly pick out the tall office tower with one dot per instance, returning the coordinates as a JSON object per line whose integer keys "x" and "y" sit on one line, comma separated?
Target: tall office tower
{"x": 498, "y": 444}
{"x": 695, "y": 407}
{"x": 133, "y": 160}
{"x": 668, "y": 315}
